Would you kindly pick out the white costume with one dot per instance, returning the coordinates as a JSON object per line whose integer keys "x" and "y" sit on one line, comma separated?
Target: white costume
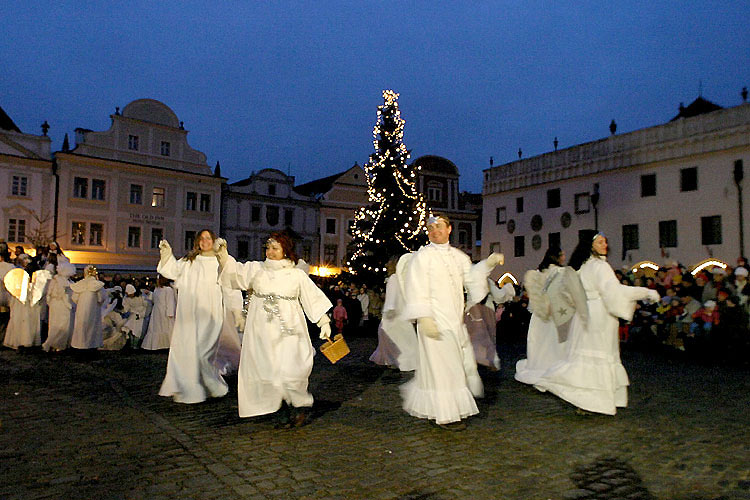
{"x": 364, "y": 303}
{"x": 227, "y": 358}
{"x": 191, "y": 375}
{"x": 592, "y": 376}
{"x": 397, "y": 340}
{"x": 446, "y": 379}
{"x": 137, "y": 306}
{"x": 113, "y": 338}
{"x": 160, "y": 326}
{"x": 277, "y": 355}
{"x": 61, "y": 309}
{"x": 546, "y": 340}
{"x": 88, "y": 295}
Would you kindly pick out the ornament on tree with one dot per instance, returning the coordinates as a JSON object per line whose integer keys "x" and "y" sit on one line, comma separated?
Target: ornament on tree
{"x": 394, "y": 221}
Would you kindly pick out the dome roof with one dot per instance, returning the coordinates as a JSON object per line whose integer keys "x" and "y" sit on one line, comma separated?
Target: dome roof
{"x": 436, "y": 164}
{"x": 152, "y": 111}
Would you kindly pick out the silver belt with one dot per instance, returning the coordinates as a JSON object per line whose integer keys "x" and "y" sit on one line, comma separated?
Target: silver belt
{"x": 271, "y": 306}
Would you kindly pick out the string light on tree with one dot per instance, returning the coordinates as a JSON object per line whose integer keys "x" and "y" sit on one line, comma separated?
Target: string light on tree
{"x": 394, "y": 221}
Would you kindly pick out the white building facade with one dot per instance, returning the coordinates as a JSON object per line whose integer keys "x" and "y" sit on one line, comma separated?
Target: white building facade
{"x": 26, "y": 186}
{"x": 123, "y": 190}
{"x": 664, "y": 193}
{"x": 265, "y": 202}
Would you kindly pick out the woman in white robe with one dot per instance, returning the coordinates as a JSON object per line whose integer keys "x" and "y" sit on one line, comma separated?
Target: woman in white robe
{"x": 61, "y": 309}
{"x": 397, "y": 339}
{"x": 88, "y": 295}
{"x": 446, "y": 379}
{"x": 161, "y": 324}
{"x": 277, "y": 355}
{"x": 591, "y": 376}
{"x": 136, "y": 306}
{"x": 191, "y": 375}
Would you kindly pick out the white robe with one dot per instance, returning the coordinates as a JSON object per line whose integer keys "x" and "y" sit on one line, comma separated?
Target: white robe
{"x": 88, "y": 295}
{"x": 161, "y": 324}
{"x": 592, "y": 376}
{"x": 230, "y": 347}
{"x": 24, "y": 326}
{"x": 446, "y": 379}
{"x": 191, "y": 375}
{"x": 61, "y": 314}
{"x": 277, "y": 355}
{"x": 397, "y": 339}
{"x": 137, "y": 306}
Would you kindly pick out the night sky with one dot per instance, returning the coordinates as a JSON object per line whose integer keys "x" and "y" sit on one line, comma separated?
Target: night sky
{"x": 296, "y": 85}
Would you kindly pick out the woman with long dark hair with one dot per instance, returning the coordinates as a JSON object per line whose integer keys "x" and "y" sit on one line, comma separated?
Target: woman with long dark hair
{"x": 277, "y": 356}
{"x": 191, "y": 375}
{"x": 591, "y": 376}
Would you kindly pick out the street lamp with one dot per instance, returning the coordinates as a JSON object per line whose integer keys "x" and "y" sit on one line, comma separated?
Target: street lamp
{"x": 739, "y": 174}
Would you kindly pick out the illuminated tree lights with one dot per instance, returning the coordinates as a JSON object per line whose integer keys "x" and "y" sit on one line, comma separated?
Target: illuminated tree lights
{"x": 394, "y": 221}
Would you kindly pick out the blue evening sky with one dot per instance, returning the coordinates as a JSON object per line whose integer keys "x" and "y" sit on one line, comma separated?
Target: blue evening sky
{"x": 296, "y": 85}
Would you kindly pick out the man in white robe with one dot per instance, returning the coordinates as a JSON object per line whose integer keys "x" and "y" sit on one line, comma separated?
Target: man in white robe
{"x": 446, "y": 379}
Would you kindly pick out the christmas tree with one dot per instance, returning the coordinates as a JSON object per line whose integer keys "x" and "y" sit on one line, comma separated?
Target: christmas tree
{"x": 394, "y": 221}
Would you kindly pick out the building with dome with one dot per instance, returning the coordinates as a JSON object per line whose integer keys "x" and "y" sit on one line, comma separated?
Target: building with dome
{"x": 121, "y": 191}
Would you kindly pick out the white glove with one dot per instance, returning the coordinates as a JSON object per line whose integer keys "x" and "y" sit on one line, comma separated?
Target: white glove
{"x": 495, "y": 259}
{"x": 165, "y": 249}
{"x": 427, "y": 327}
{"x": 324, "y": 323}
{"x": 222, "y": 255}
{"x": 218, "y": 243}
{"x": 653, "y": 296}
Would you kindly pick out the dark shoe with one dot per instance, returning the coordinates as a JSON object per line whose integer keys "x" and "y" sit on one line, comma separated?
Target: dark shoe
{"x": 453, "y": 426}
{"x": 300, "y": 418}
{"x": 583, "y": 413}
{"x": 283, "y": 418}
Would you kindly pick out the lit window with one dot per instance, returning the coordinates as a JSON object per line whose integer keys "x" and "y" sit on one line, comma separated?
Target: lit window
{"x": 157, "y": 197}
{"x": 78, "y": 233}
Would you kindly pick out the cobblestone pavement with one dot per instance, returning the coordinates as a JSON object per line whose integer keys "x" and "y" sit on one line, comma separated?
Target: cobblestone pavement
{"x": 98, "y": 429}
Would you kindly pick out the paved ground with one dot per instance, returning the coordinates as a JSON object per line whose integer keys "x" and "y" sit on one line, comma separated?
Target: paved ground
{"x": 98, "y": 430}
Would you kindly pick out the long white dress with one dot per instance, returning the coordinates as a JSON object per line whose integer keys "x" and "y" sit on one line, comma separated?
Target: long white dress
{"x": 24, "y": 326}
{"x": 88, "y": 295}
{"x": 191, "y": 375}
{"x": 160, "y": 326}
{"x": 61, "y": 314}
{"x": 592, "y": 376}
{"x": 397, "y": 339}
{"x": 446, "y": 379}
{"x": 137, "y": 306}
{"x": 277, "y": 355}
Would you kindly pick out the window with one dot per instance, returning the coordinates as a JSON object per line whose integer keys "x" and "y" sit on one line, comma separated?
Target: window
{"x": 96, "y": 232}
{"x": 191, "y": 201}
{"x": 17, "y": 230}
{"x": 97, "y": 189}
{"x": 330, "y": 253}
{"x": 205, "y": 205}
{"x": 255, "y": 213}
{"x": 553, "y": 241}
{"x": 164, "y": 148}
{"x": 582, "y": 203}
{"x": 330, "y": 226}
{"x": 272, "y": 215}
{"x": 711, "y": 230}
{"x": 630, "y": 237}
{"x": 553, "y": 198}
{"x": 19, "y": 185}
{"x": 80, "y": 187}
{"x": 189, "y": 240}
{"x": 434, "y": 191}
{"x": 288, "y": 216}
{"x": 518, "y": 246}
{"x": 272, "y": 189}
{"x": 136, "y": 194}
{"x": 501, "y": 216}
{"x": 243, "y": 250}
{"x": 78, "y": 233}
{"x": 133, "y": 142}
{"x": 519, "y": 205}
{"x": 157, "y": 234}
{"x": 689, "y": 179}
{"x": 157, "y": 197}
{"x": 306, "y": 252}
{"x": 648, "y": 185}
{"x": 134, "y": 237}
{"x": 667, "y": 233}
